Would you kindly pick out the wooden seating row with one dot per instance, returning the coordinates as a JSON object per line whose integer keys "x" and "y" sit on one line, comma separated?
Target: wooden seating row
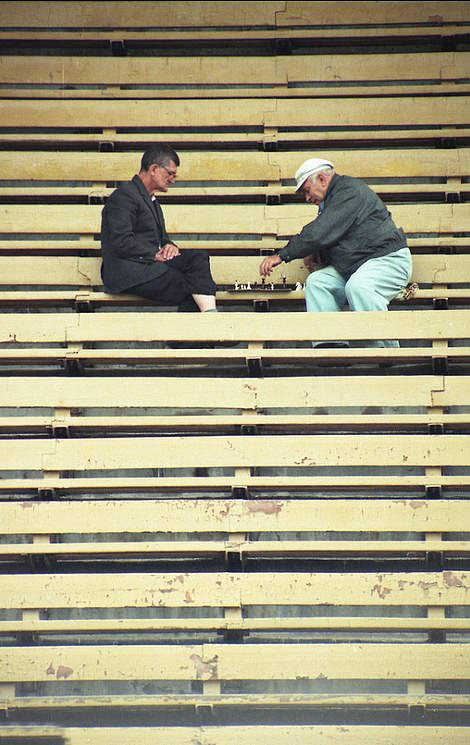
{"x": 218, "y": 667}
{"x": 427, "y": 172}
{"x": 85, "y": 464}
{"x": 241, "y": 121}
{"x": 225, "y": 21}
{"x": 190, "y": 77}
{"x": 436, "y": 337}
{"x": 376, "y": 527}
{"x": 34, "y": 281}
{"x": 305, "y": 404}
{"x": 243, "y": 220}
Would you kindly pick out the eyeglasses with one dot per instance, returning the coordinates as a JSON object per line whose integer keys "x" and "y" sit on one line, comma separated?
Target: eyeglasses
{"x": 170, "y": 173}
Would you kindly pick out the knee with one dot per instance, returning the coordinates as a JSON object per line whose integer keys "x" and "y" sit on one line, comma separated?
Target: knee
{"x": 314, "y": 281}
{"x": 355, "y": 288}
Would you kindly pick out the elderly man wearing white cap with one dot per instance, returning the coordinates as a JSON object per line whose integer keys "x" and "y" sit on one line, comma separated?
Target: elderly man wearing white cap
{"x": 364, "y": 258}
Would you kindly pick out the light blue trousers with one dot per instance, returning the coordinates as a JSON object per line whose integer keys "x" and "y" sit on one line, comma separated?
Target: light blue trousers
{"x": 371, "y": 287}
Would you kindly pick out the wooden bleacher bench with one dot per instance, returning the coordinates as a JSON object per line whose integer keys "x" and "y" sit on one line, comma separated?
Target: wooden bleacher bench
{"x": 273, "y": 405}
{"x": 220, "y": 667}
{"x": 266, "y": 462}
{"x": 283, "y": 76}
{"x": 90, "y": 340}
{"x": 240, "y": 121}
{"x": 430, "y": 172}
{"x": 441, "y": 279}
{"x": 232, "y": 22}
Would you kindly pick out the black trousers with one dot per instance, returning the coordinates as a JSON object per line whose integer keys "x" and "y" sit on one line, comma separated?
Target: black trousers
{"x": 186, "y": 274}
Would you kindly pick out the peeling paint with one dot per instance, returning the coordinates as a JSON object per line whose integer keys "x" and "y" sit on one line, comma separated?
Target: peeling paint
{"x": 203, "y": 668}
{"x": 425, "y": 586}
{"x": 416, "y": 504}
{"x": 188, "y": 598}
{"x": 63, "y": 672}
{"x": 452, "y": 581}
{"x": 50, "y": 670}
{"x": 436, "y": 19}
{"x": 268, "y": 508}
{"x": 381, "y": 591}
{"x": 26, "y": 505}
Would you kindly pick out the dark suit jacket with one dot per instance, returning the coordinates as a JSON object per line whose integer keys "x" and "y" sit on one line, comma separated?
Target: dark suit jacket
{"x": 132, "y": 230}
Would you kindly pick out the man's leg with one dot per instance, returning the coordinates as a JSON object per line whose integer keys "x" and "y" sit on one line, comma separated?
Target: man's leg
{"x": 324, "y": 292}
{"x": 376, "y": 283}
{"x": 195, "y": 268}
{"x": 187, "y": 283}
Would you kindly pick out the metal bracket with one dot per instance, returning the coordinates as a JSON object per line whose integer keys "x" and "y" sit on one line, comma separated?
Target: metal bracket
{"x": 436, "y": 429}
{"x": 47, "y": 494}
{"x": 255, "y": 367}
{"x": 106, "y": 147}
{"x": 248, "y": 429}
{"x": 240, "y": 492}
{"x": 437, "y": 636}
{"x": 118, "y": 48}
{"x": 440, "y": 366}
{"x": 416, "y": 713}
{"x": 434, "y": 561}
{"x": 73, "y": 367}
{"x": 261, "y": 306}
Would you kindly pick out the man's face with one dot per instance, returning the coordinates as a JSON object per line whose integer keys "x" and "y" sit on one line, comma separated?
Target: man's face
{"x": 163, "y": 176}
{"x": 314, "y": 189}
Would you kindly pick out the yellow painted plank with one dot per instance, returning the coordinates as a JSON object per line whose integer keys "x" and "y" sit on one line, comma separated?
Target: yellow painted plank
{"x": 285, "y": 220}
{"x": 235, "y": 662}
{"x": 234, "y": 590}
{"x": 234, "y": 516}
{"x": 210, "y": 549}
{"x": 247, "y": 393}
{"x": 131, "y": 392}
{"x": 297, "y": 326}
{"x": 259, "y": 166}
{"x": 128, "y": 14}
{"x": 355, "y": 485}
{"x": 231, "y": 71}
{"x": 304, "y": 13}
{"x": 238, "y": 451}
{"x": 373, "y": 112}
{"x": 227, "y": 270}
{"x": 279, "y": 735}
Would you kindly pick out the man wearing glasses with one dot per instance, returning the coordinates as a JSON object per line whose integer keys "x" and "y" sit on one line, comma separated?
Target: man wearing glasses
{"x": 138, "y": 255}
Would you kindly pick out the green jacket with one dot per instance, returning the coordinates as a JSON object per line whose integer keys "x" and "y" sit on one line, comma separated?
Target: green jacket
{"x": 352, "y": 226}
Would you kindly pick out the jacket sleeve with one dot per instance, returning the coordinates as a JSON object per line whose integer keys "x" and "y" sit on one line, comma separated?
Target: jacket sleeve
{"x": 327, "y": 229}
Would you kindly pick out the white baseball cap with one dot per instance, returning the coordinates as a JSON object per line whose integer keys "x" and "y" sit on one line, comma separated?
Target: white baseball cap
{"x": 308, "y": 168}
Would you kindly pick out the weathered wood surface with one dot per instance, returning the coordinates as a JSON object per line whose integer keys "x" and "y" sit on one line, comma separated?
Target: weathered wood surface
{"x": 227, "y": 166}
{"x": 192, "y": 77}
{"x": 235, "y": 515}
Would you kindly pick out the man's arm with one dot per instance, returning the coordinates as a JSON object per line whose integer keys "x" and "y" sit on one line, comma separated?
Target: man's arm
{"x": 328, "y": 228}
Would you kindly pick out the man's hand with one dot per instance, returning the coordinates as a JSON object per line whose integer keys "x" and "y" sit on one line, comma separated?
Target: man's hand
{"x": 167, "y": 252}
{"x": 268, "y": 264}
